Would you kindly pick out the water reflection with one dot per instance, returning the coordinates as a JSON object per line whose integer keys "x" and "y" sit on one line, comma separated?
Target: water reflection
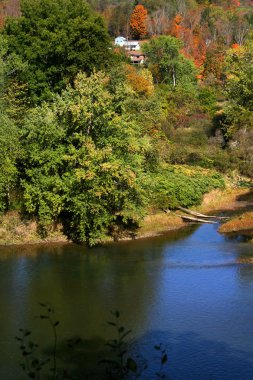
{"x": 190, "y": 288}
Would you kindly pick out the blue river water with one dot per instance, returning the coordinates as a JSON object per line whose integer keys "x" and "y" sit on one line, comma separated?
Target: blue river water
{"x": 191, "y": 290}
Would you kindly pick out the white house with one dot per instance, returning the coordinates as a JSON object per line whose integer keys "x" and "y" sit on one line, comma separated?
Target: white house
{"x": 127, "y": 44}
{"x": 120, "y": 41}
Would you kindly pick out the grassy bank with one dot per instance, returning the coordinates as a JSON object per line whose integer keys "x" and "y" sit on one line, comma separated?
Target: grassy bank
{"x": 242, "y": 224}
{"x": 15, "y": 230}
{"x": 241, "y": 211}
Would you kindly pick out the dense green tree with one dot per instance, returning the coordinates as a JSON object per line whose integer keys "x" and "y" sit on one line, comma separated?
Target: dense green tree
{"x": 239, "y": 88}
{"x": 57, "y": 38}
{"x": 84, "y": 161}
{"x": 9, "y": 151}
{"x": 237, "y": 122}
{"x": 166, "y": 62}
{"x": 9, "y": 138}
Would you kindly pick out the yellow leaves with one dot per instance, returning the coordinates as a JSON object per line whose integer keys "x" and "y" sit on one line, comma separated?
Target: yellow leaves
{"x": 188, "y": 170}
{"x": 141, "y": 81}
{"x": 83, "y": 83}
{"x": 109, "y": 166}
{"x": 131, "y": 178}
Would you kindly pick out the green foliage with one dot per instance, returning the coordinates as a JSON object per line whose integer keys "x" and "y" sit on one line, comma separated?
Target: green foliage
{"x": 207, "y": 99}
{"x": 9, "y": 151}
{"x": 9, "y": 136}
{"x": 57, "y": 39}
{"x": 182, "y": 186}
{"x": 239, "y": 87}
{"x": 236, "y": 119}
{"x": 166, "y": 62}
{"x": 84, "y": 161}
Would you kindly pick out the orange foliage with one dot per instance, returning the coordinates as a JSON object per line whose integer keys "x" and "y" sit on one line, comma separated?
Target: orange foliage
{"x": 177, "y": 30}
{"x": 141, "y": 81}
{"x": 235, "y": 46}
{"x": 214, "y": 62}
{"x": 236, "y": 3}
{"x": 138, "y": 22}
{"x": 195, "y": 47}
{"x": 230, "y": 4}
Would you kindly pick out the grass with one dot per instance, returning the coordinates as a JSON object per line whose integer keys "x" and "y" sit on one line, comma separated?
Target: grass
{"x": 15, "y": 230}
{"x": 159, "y": 222}
{"x": 243, "y": 222}
{"x": 231, "y": 199}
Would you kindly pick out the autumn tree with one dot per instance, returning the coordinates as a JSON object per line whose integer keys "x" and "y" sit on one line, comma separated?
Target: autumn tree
{"x": 138, "y": 22}
{"x": 141, "y": 81}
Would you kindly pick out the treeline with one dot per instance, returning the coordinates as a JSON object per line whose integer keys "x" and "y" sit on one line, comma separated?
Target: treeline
{"x": 89, "y": 141}
{"x": 205, "y": 27}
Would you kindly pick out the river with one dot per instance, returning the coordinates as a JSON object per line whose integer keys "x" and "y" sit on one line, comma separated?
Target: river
{"x": 192, "y": 290}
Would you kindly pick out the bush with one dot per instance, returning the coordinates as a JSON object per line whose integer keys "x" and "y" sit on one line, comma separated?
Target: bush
{"x": 182, "y": 186}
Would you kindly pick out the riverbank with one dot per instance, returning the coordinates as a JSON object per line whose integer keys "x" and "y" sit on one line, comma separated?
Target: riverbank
{"x": 16, "y": 231}
{"x": 231, "y": 200}
{"x": 242, "y": 224}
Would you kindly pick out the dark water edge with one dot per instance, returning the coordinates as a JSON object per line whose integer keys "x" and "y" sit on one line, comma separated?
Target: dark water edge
{"x": 190, "y": 289}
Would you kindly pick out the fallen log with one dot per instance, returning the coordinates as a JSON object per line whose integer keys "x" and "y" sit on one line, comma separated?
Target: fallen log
{"x": 198, "y": 220}
{"x": 194, "y": 213}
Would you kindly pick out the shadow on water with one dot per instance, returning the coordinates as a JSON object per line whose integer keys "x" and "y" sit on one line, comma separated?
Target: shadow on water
{"x": 202, "y": 358}
{"x": 82, "y": 357}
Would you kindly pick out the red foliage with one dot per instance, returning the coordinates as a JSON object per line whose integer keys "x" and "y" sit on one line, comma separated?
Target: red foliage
{"x": 236, "y": 3}
{"x": 187, "y": 31}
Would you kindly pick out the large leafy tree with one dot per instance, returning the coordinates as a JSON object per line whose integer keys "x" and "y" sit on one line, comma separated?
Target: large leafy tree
{"x": 9, "y": 136}
{"x": 239, "y": 85}
{"x": 58, "y": 38}
{"x": 84, "y": 160}
{"x": 236, "y": 118}
{"x": 166, "y": 62}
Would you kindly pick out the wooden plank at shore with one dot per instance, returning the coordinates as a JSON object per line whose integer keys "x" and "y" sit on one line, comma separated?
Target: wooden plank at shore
{"x": 194, "y": 213}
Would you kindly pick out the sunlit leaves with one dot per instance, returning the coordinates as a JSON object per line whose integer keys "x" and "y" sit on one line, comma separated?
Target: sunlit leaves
{"x": 84, "y": 161}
